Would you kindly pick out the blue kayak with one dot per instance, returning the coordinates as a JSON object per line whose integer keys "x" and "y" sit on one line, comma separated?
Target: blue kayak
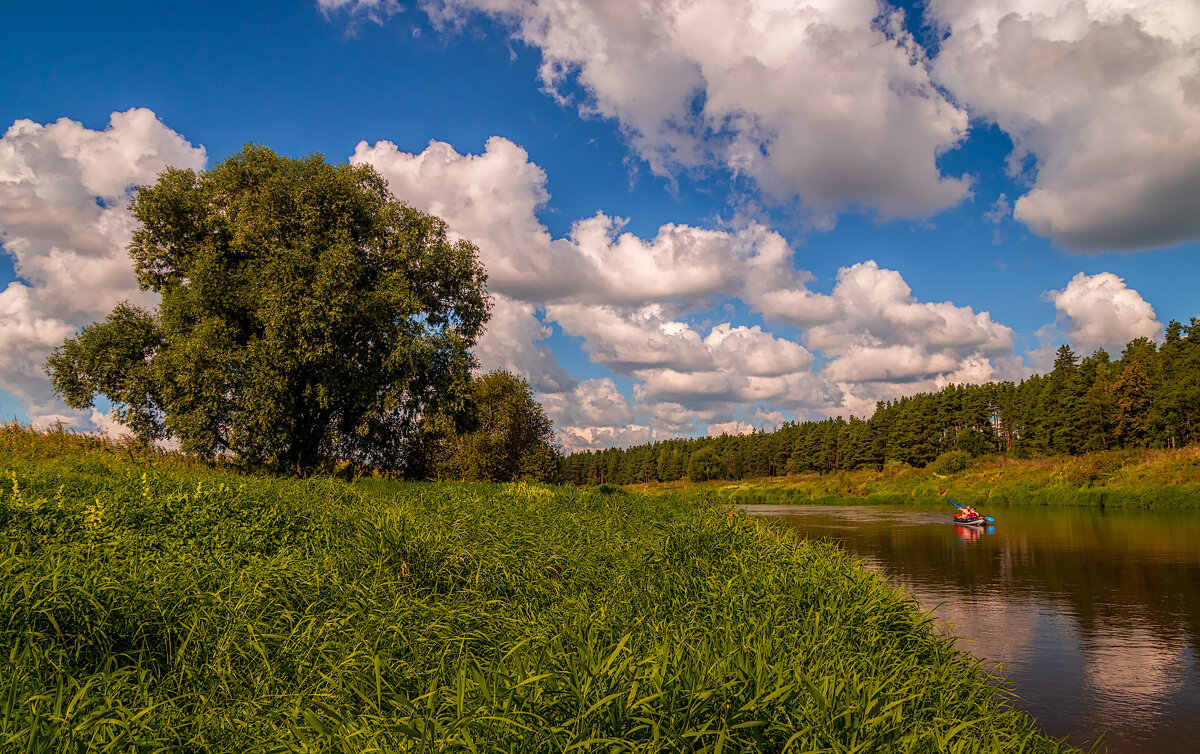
{"x": 977, "y": 521}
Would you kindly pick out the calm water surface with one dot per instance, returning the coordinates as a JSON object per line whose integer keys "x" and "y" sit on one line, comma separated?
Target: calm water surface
{"x": 1094, "y": 616}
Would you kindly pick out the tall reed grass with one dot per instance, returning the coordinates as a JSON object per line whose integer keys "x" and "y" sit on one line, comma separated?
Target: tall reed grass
{"x": 188, "y": 610}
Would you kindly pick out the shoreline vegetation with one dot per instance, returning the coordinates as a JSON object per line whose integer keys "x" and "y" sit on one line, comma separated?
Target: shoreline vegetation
{"x": 152, "y": 603}
{"x": 1150, "y": 479}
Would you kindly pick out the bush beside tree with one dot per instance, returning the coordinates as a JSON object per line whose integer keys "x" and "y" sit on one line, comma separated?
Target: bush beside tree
{"x": 510, "y": 438}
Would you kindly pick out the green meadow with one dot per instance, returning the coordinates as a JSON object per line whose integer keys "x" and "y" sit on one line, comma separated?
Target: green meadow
{"x": 1149, "y": 479}
{"x": 148, "y": 604}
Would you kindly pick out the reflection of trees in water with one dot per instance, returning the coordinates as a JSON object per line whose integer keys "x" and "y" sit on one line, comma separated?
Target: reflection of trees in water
{"x": 1091, "y": 614}
{"x": 1105, "y": 571}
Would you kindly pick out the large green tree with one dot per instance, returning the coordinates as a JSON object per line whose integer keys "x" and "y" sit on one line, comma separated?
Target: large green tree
{"x": 306, "y": 315}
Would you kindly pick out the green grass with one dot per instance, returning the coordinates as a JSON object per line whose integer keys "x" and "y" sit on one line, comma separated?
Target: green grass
{"x": 179, "y": 608}
{"x": 1157, "y": 479}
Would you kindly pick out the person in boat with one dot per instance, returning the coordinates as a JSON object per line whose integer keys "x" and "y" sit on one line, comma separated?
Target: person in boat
{"x": 966, "y": 513}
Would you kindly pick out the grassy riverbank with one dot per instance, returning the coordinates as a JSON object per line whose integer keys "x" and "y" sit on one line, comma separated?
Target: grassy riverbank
{"x": 1161, "y": 479}
{"x": 155, "y": 607}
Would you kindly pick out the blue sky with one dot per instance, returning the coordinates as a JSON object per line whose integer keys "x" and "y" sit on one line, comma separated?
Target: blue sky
{"x": 697, "y": 216}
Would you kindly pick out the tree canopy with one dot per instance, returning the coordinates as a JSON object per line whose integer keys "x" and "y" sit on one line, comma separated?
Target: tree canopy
{"x": 509, "y": 436}
{"x": 305, "y": 315}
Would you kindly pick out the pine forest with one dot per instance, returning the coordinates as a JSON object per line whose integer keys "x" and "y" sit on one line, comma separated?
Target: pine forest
{"x": 1148, "y": 398}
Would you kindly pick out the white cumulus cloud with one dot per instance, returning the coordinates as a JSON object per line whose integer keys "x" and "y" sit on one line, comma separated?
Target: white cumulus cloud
{"x": 1100, "y": 311}
{"x": 627, "y": 341}
{"x": 64, "y": 192}
{"x": 511, "y": 342}
{"x": 493, "y": 198}
{"x": 754, "y": 352}
{"x": 1103, "y": 94}
{"x": 828, "y": 100}
{"x": 675, "y": 363}
{"x": 27, "y": 336}
{"x": 876, "y": 330}
{"x": 575, "y": 439}
{"x": 730, "y": 428}
{"x": 490, "y": 198}
{"x": 595, "y": 402}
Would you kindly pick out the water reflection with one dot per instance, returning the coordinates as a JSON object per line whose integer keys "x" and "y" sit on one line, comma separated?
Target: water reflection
{"x": 1133, "y": 671}
{"x": 1093, "y": 617}
{"x": 972, "y": 533}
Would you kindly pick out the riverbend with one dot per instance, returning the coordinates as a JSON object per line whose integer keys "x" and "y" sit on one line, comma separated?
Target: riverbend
{"x": 1092, "y": 615}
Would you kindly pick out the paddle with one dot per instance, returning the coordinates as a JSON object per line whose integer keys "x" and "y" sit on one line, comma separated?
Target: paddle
{"x": 989, "y": 519}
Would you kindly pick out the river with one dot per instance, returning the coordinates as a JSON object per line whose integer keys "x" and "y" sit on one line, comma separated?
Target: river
{"x": 1093, "y": 615}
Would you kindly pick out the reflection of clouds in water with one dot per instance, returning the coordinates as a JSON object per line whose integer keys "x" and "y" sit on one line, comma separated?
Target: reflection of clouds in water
{"x": 999, "y": 627}
{"x": 1071, "y": 604}
{"x": 1003, "y": 629}
{"x": 1027, "y": 637}
{"x": 1134, "y": 671}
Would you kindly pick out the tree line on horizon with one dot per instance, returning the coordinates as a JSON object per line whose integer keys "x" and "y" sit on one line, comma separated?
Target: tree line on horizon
{"x": 1148, "y": 398}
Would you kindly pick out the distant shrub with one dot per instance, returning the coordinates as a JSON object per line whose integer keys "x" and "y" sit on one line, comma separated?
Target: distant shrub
{"x": 952, "y": 462}
{"x": 703, "y": 465}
